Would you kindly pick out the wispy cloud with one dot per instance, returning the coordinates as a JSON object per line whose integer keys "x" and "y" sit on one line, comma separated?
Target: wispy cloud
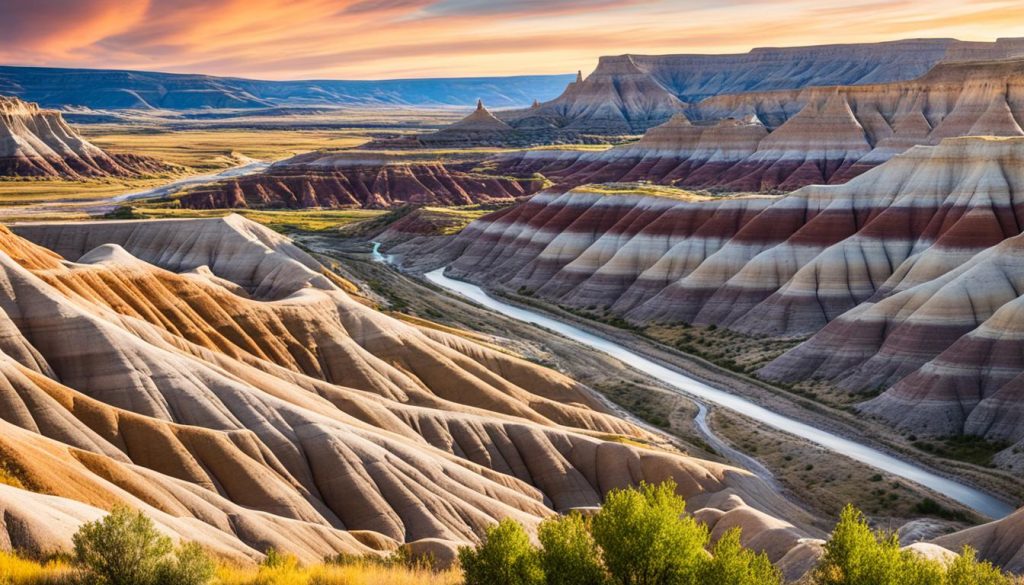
{"x": 290, "y": 39}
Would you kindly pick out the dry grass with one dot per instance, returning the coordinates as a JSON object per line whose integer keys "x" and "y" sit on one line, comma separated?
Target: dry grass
{"x": 15, "y": 570}
{"x": 350, "y": 574}
{"x": 14, "y": 192}
{"x": 18, "y": 571}
{"x": 212, "y": 150}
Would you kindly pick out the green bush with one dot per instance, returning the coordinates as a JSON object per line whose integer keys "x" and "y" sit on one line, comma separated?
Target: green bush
{"x": 966, "y": 570}
{"x": 122, "y": 548}
{"x": 855, "y": 555}
{"x": 568, "y": 554}
{"x": 731, "y": 564}
{"x": 505, "y": 557}
{"x": 646, "y": 540}
{"x": 190, "y": 565}
{"x": 125, "y": 548}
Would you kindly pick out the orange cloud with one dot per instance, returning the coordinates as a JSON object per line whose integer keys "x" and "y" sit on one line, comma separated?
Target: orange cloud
{"x": 293, "y": 39}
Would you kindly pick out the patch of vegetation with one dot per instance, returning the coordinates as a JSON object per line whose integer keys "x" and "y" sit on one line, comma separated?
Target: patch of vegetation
{"x": 856, "y": 555}
{"x": 967, "y": 448}
{"x": 929, "y": 507}
{"x": 125, "y": 548}
{"x": 641, "y": 536}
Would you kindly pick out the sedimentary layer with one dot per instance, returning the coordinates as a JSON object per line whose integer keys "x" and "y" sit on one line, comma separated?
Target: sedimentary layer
{"x": 39, "y": 143}
{"x": 628, "y": 94}
{"x": 906, "y": 279}
{"x": 783, "y": 140}
{"x": 361, "y": 179}
{"x": 213, "y": 375}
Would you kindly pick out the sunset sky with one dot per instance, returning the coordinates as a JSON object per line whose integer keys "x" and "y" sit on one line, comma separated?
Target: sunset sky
{"x": 366, "y": 39}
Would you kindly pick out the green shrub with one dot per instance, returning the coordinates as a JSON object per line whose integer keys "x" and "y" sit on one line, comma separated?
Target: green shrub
{"x": 125, "y": 548}
{"x": 568, "y": 554}
{"x": 190, "y": 565}
{"x": 855, "y": 555}
{"x": 731, "y": 564}
{"x": 967, "y": 570}
{"x": 505, "y": 557}
{"x": 646, "y": 540}
{"x": 122, "y": 548}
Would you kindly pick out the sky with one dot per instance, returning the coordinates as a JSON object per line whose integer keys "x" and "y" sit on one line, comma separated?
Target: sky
{"x": 367, "y": 39}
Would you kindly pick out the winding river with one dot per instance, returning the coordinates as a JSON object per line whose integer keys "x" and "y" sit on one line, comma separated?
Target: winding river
{"x": 975, "y": 499}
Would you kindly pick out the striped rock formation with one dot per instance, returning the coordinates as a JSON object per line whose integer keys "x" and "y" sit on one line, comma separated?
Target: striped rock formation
{"x": 628, "y": 94}
{"x": 783, "y": 140}
{"x": 907, "y": 278}
{"x": 39, "y": 143}
{"x": 360, "y": 179}
{"x": 213, "y": 375}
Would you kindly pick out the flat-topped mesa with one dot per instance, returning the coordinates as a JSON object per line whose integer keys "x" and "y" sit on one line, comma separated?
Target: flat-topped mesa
{"x": 38, "y": 143}
{"x": 367, "y": 179}
{"x": 783, "y": 140}
{"x": 910, "y": 271}
{"x": 639, "y": 86}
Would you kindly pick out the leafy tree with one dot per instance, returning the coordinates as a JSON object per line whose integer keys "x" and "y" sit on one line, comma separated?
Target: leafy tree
{"x": 967, "y": 570}
{"x": 731, "y": 564}
{"x": 505, "y": 557}
{"x": 646, "y": 540}
{"x": 569, "y": 555}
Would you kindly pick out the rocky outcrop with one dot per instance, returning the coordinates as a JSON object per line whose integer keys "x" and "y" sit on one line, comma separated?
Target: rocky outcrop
{"x": 39, "y": 143}
{"x": 905, "y": 278}
{"x": 477, "y": 129}
{"x": 787, "y": 139}
{"x": 629, "y": 94}
{"x": 213, "y": 375}
{"x": 361, "y": 179}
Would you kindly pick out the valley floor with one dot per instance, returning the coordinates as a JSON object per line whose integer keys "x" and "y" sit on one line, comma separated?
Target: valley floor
{"x": 810, "y": 475}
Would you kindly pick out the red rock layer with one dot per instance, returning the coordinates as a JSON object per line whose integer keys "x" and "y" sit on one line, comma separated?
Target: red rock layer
{"x": 358, "y": 180}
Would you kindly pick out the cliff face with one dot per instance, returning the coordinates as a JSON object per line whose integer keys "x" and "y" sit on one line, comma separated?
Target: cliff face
{"x": 39, "y": 143}
{"x": 783, "y": 140}
{"x": 904, "y": 278}
{"x": 629, "y": 94}
{"x": 211, "y": 374}
{"x": 360, "y": 179}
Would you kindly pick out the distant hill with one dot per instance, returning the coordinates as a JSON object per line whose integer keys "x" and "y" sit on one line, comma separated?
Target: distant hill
{"x": 118, "y": 89}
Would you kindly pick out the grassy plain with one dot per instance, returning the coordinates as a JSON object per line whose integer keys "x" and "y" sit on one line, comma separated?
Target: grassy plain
{"x": 213, "y": 150}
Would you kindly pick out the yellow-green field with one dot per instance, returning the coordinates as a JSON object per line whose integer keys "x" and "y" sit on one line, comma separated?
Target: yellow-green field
{"x": 307, "y": 220}
{"x": 15, "y": 192}
{"x": 212, "y": 150}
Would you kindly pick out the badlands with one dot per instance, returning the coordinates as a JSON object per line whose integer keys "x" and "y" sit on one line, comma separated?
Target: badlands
{"x": 829, "y": 232}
